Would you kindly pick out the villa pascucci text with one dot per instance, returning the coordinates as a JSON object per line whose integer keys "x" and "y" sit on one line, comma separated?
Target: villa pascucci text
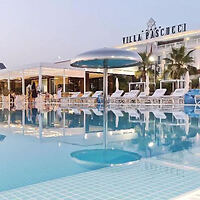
{"x": 154, "y": 32}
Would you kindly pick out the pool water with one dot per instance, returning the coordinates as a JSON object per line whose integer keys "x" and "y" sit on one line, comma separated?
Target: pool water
{"x": 38, "y": 145}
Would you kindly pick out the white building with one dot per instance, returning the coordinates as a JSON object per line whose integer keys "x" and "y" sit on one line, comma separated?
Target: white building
{"x": 161, "y": 40}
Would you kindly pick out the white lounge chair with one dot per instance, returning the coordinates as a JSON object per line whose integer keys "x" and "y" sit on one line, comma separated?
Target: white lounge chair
{"x": 140, "y": 97}
{"x": 72, "y": 98}
{"x": 129, "y": 97}
{"x": 93, "y": 98}
{"x": 83, "y": 98}
{"x": 175, "y": 97}
{"x": 115, "y": 96}
{"x": 155, "y": 98}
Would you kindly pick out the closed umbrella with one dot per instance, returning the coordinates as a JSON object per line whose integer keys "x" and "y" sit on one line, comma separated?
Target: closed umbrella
{"x": 187, "y": 81}
{"x": 147, "y": 85}
{"x": 117, "y": 84}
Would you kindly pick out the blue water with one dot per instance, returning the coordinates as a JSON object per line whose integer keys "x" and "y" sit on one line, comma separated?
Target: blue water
{"x": 37, "y": 145}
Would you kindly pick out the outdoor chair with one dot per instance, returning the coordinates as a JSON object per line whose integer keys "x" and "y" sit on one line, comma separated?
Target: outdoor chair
{"x": 155, "y": 98}
{"x": 83, "y": 99}
{"x": 141, "y": 97}
{"x": 94, "y": 97}
{"x": 128, "y": 97}
{"x": 115, "y": 96}
{"x": 71, "y": 99}
{"x": 175, "y": 97}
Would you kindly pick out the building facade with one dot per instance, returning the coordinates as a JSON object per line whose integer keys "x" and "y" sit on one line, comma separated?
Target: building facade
{"x": 160, "y": 40}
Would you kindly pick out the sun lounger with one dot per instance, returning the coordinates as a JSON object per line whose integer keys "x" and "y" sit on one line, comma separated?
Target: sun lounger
{"x": 175, "y": 97}
{"x": 71, "y": 99}
{"x": 115, "y": 96}
{"x": 94, "y": 97}
{"x": 155, "y": 98}
{"x": 83, "y": 99}
{"x": 129, "y": 97}
{"x": 140, "y": 97}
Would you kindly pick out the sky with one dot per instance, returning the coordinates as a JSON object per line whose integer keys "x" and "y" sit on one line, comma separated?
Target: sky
{"x": 33, "y": 31}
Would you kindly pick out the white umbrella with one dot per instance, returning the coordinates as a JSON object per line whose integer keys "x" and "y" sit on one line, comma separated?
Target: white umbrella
{"x": 107, "y": 58}
{"x": 187, "y": 81}
{"x": 117, "y": 84}
{"x": 147, "y": 85}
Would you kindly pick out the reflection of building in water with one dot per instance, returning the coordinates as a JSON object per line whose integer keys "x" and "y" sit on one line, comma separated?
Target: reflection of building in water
{"x": 86, "y": 128}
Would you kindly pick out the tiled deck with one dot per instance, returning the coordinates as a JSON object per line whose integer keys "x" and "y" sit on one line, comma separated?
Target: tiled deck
{"x": 150, "y": 179}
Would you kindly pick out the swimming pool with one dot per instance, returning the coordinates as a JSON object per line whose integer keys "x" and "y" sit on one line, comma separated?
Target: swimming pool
{"x": 37, "y": 146}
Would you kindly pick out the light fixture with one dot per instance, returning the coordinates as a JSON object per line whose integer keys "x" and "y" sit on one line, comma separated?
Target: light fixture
{"x": 151, "y": 59}
{"x": 150, "y": 144}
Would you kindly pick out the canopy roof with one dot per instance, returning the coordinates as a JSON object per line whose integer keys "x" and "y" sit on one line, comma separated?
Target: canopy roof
{"x": 57, "y": 69}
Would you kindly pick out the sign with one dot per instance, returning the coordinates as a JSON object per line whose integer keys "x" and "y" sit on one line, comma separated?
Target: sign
{"x": 153, "y": 32}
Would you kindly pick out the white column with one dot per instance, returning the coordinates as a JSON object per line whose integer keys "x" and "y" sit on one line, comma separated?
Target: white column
{"x": 85, "y": 81}
{"x": 40, "y": 78}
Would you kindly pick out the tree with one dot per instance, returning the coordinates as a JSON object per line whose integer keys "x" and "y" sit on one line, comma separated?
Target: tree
{"x": 145, "y": 67}
{"x": 179, "y": 62}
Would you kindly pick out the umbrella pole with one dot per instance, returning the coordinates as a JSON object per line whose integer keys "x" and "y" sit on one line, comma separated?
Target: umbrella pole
{"x": 105, "y": 86}
{"x": 105, "y": 92}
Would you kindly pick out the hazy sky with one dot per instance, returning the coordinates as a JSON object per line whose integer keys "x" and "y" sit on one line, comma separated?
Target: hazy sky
{"x": 34, "y": 31}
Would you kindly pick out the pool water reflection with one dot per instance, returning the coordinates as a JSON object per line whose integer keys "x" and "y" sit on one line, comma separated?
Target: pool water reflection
{"x": 37, "y": 144}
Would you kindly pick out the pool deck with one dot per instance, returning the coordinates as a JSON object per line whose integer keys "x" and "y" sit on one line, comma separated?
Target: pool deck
{"x": 163, "y": 177}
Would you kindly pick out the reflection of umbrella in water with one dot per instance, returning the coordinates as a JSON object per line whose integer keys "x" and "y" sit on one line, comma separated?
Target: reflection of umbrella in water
{"x": 2, "y": 137}
{"x": 96, "y": 158}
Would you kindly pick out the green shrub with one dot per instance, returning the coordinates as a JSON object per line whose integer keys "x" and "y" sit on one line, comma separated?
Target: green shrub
{"x": 195, "y": 83}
